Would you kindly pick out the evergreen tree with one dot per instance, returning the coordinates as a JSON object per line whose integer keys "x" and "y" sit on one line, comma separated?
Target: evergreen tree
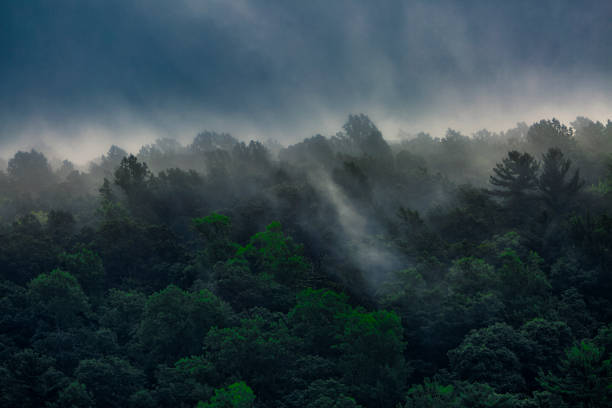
{"x": 584, "y": 378}
{"x": 515, "y": 177}
{"x": 556, "y": 187}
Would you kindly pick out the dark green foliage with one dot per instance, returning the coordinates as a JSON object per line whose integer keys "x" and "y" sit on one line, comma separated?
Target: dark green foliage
{"x": 516, "y": 176}
{"x": 323, "y": 394}
{"x": 215, "y": 228}
{"x": 75, "y": 395}
{"x": 57, "y": 298}
{"x": 515, "y": 182}
{"x": 549, "y": 340}
{"x": 243, "y": 289}
{"x": 216, "y": 276}
{"x": 473, "y": 215}
{"x": 556, "y": 184}
{"x": 142, "y": 399}
{"x": 584, "y": 377}
{"x": 367, "y": 345}
{"x": 470, "y": 276}
{"x": 573, "y": 310}
{"x": 132, "y": 250}
{"x": 432, "y": 394}
{"x": 480, "y": 395}
{"x": 15, "y": 317}
{"x": 524, "y": 287}
{"x": 371, "y": 357}
{"x": 60, "y": 225}
{"x": 236, "y": 395}
{"x": 174, "y": 322}
{"x": 25, "y": 250}
{"x": 29, "y": 379}
{"x": 177, "y": 193}
{"x": 317, "y": 318}
{"x": 131, "y": 175}
{"x": 86, "y": 266}
{"x": 492, "y": 355}
{"x": 122, "y": 312}
{"x": 260, "y": 351}
{"x": 75, "y": 344}
{"x": 185, "y": 383}
{"x": 271, "y": 252}
{"x": 110, "y": 380}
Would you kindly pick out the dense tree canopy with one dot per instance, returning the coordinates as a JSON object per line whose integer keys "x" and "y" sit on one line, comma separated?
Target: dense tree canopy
{"x": 340, "y": 272}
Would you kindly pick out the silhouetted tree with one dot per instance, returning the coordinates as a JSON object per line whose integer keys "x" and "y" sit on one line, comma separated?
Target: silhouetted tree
{"x": 208, "y": 141}
{"x": 515, "y": 176}
{"x": 30, "y": 171}
{"x": 131, "y": 174}
{"x": 594, "y": 137}
{"x": 112, "y": 300}
{"x": 556, "y": 188}
{"x": 516, "y": 180}
{"x": 547, "y": 134}
{"x": 108, "y": 162}
{"x": 134, "y": 178}
{"x": 365, "y": 138}
{"x": 65, "y": 169}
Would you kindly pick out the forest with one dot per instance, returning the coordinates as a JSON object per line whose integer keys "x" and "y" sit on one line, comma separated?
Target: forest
{"x": 343, "y": 271}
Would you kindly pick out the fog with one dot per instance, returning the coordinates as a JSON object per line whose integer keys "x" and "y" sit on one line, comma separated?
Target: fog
{"x": 241, "y": 92}
{"x": 271, "y": 203}
{"x": 77, "y": 78}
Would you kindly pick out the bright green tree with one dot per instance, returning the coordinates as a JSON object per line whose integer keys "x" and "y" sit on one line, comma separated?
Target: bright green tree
{"x": 236, "y": 395}
{"x": 431, "y": 394}
{"x": 273, "y": 252}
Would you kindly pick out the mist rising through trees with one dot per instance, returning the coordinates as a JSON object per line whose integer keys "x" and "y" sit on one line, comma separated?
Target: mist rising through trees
{"x": 340, "y": 271}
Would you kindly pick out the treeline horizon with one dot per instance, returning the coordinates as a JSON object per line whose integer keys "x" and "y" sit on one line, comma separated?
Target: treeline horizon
{"x": 587, "y": 133}
{"x": 341, "y": 271}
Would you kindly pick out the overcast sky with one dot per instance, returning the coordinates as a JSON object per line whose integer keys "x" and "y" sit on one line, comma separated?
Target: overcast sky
{"x": 77, "y": 76}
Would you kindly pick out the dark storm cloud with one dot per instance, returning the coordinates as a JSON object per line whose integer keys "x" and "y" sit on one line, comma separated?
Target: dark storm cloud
{"x": 117, "y": 67}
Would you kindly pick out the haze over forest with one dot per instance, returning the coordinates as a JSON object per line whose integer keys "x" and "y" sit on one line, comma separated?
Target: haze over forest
{"x": 76, "y": 78}
{"x": 348, "y": 204}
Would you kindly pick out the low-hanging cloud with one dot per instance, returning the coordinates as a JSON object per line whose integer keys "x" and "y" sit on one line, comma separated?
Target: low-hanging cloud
{"x": 80, "y": 76}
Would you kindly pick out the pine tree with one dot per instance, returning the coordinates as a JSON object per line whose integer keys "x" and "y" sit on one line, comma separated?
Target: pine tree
{"x": 515, "y": 176}
{"x": 557, "y": 191}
